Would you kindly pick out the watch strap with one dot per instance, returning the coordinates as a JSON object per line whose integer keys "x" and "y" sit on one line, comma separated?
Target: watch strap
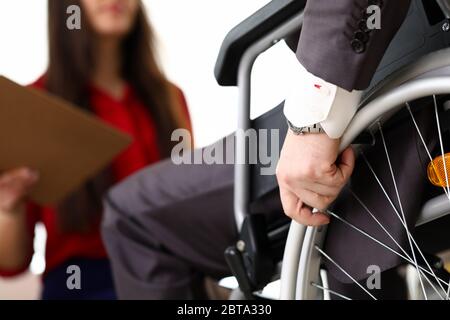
{"x": 315, "y": 128}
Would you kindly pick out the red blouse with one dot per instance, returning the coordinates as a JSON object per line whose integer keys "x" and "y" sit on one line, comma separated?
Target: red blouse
{"x": 129, "y": 115}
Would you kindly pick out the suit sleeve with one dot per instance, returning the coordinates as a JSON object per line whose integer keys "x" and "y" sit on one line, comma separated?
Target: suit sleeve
{"x": 336, "y": 44}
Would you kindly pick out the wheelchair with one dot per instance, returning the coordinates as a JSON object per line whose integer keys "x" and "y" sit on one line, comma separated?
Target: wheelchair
{"x": 415, "y": 68}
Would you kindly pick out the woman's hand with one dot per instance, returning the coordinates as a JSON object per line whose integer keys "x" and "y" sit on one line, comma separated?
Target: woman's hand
{"x": 17, "y": 243}
{"x": 311, "y": 174}
{"x": 15, "y": 186}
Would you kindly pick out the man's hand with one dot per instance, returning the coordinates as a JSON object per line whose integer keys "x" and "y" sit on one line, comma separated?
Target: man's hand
{"x": 311, "y": 175}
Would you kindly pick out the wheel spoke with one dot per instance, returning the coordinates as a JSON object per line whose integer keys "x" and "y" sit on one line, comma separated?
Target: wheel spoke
{"x": 378, "y": 222}
{"x": 345, "y": 272}
{"x": 330, "y": 291}
{"x": 448, "y": 291}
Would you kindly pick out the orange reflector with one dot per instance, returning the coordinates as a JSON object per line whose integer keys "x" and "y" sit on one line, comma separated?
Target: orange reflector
{"x": 436, "y": 171}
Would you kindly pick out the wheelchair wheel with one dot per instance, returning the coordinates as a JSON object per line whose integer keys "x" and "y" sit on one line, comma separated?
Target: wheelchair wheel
{"x": 303, "y": 276}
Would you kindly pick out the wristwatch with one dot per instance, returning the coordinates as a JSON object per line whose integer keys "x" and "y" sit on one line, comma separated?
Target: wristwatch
{"x": 315, "y": 128}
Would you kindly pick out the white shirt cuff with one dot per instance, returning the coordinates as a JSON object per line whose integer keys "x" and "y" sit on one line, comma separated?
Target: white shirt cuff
{"x": 342, "y": 111}
{"x": 314, "y": 100}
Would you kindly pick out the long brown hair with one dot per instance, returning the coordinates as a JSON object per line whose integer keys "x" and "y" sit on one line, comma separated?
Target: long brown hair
{"x": 71, "y": 62}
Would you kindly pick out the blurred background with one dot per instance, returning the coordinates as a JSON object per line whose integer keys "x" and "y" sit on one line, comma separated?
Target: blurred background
{"x": 190, "y": 34}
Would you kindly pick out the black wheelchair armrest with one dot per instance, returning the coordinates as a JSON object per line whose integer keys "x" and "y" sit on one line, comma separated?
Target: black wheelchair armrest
{"x": 247, "y": 32}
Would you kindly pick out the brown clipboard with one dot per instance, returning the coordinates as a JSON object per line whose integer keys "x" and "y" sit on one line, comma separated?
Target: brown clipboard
{"x": 64, "y": 143}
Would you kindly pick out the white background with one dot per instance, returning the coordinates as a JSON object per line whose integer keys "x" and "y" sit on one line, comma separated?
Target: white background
{"x": 190, "y": 34}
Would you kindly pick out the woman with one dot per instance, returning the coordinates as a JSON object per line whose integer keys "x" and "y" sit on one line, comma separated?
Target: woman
{"x": 109, "y": 68}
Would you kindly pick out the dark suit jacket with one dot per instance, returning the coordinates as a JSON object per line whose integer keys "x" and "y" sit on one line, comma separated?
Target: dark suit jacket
{"x": 336, "y": 45}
